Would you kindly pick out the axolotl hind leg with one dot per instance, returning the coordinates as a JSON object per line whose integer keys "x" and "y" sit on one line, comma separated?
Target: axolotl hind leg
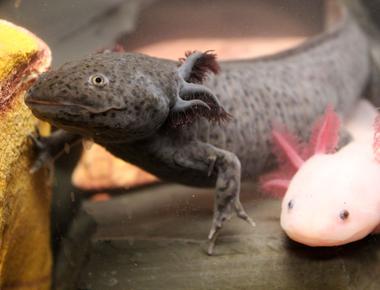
{"x": 226, "y": 166}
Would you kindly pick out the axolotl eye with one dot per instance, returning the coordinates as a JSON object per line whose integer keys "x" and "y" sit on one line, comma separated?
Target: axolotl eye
{"x": 98, "y": 80}
{"x": 290, "y": 204}
{"x": 344, "y": 214}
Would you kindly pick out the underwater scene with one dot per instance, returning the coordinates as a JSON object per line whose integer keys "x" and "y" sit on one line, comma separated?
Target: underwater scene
{"x": 189, "y": 145}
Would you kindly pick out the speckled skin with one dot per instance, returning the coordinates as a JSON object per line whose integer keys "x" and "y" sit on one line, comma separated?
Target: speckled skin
{"x": 129, "y": 115}
{"x": 291, "y": 88}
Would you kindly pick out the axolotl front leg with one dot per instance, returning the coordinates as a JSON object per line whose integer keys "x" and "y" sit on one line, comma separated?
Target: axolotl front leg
{"x": 226, "y": 167}
{"x": 204, "y": 159}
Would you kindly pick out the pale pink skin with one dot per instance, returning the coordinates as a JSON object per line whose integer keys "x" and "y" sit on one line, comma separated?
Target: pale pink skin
{"x": 326, "y": 185}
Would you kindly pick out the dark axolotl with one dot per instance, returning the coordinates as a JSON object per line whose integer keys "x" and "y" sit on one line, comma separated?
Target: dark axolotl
{"x": 167, "y": 118}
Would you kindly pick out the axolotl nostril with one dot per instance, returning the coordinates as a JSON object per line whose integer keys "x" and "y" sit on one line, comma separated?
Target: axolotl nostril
{"x": 333, "y": 197}
{"x": 195, "y": 122}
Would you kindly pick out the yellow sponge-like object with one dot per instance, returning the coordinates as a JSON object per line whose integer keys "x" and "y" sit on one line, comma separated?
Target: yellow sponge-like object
{"x": 25, "y": 258}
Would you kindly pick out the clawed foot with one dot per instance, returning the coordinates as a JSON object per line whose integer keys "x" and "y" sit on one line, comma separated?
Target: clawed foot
{"x": 49, "y": 148}
{"x": 43, "y": 152}
{"x": 223, "y": 214}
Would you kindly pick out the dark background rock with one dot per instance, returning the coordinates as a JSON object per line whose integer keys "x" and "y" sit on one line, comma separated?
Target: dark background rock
{"x": 74, "y": 28}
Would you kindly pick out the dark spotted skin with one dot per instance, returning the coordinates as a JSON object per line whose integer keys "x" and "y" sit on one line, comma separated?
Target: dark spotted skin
{"x": 292, "y": 88}
{"x": 129, "y": 115}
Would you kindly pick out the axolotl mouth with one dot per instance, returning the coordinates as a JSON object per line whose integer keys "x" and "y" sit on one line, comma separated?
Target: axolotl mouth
{"x": 51, "y": 110}
{"x": 64, "y": 111}
{"x": 32, "y": 103}
{"x": 71, "y": 108}
{"x": 61, "y": 114}
{"x": 75, "y": 118}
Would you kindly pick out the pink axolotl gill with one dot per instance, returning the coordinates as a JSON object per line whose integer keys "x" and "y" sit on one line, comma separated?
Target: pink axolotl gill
{"x": 333, "y": 197}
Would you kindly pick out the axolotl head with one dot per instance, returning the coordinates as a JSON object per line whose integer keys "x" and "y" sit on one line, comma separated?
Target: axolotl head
{"x": 332, "y": 199}
{"x": 120, "y": 97}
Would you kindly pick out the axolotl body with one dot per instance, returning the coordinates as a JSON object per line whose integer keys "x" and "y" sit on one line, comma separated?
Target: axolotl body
{"x": 334, "y": 197}
{"x": 169, "y": 119}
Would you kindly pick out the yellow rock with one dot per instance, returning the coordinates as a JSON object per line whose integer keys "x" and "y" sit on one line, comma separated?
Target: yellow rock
{"x": 25, "y": 258}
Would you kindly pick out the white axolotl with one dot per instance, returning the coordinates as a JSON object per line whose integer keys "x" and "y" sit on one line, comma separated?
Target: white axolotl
{"x": 331, "y": 198}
